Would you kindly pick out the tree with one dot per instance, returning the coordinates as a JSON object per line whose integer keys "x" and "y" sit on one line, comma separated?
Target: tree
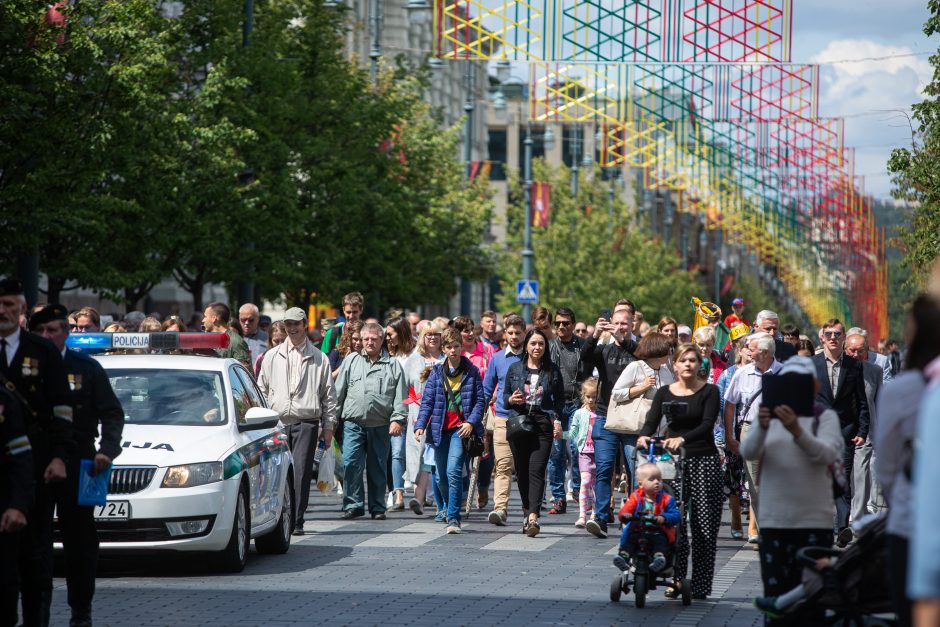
{"x": 916, "y": 177}
{"x": 590, "y": 255}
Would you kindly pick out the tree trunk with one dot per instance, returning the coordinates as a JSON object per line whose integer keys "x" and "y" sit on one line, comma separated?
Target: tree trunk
{"x": 195, "y": 288}
{"x": 54, "y": 289}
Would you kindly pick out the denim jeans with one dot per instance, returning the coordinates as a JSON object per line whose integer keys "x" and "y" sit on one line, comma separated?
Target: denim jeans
{"x": 449, "y": 456}
{"x": 398, "y": 462}
{"x": 606, "y": 444}
{"x": 558, "y": 460}
{"x": 365, "y": 448}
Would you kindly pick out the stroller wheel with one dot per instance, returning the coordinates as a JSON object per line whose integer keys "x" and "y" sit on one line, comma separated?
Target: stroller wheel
{"x": 615, "y": 588}
{"x": 686, "y": 592}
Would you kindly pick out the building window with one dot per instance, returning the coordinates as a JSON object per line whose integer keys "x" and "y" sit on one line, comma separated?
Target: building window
{"x": 496, "y": 149}
{"x": 538, "y": 145}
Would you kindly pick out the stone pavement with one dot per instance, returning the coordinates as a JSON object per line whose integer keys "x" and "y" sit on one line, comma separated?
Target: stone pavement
{"x": 405, "y": 571}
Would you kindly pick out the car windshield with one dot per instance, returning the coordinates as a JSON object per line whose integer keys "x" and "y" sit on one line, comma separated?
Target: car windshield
{"x": 170, "y": 397}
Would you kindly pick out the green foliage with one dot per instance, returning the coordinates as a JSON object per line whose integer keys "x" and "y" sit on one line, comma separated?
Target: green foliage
{"x": 916, "y": 177}
{"x": 140, "y": 147}
{"x": 590, "y": 255}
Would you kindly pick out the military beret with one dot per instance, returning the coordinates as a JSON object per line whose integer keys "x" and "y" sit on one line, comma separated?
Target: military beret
{"x": 48, "y": 313}
{"x": 11, "y": 287}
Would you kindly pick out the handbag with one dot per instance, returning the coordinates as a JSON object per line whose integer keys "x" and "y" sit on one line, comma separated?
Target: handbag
{"x": 629, "y": 416}
{"x": 518, "y": 425}
{"x": 472, "y": 445}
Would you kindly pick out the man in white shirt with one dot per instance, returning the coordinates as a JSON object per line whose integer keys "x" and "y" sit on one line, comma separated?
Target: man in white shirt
{"x": 742, "y": 399}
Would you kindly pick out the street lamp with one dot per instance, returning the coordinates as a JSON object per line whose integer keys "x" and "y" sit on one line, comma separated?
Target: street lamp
{"x": 499, "y": 104}
{"x": 573, "y": 150}
{"x": 375, "y": 27}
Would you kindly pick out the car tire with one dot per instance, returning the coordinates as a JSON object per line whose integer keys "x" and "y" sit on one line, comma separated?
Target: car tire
{"x": 232, "y": 559}
{"x": 277, "y": 541}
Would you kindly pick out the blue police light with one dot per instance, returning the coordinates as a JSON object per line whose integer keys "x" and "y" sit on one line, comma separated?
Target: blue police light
{"x": 89, "y": 341}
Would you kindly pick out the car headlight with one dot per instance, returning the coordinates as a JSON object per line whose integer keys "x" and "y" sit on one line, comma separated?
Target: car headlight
{"x": 191, "y": 475}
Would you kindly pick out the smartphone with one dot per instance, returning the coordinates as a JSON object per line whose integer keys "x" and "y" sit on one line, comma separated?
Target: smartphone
{"x": 605, "y": 314}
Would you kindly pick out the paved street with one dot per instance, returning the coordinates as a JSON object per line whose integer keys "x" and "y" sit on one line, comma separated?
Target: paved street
{"x": 406, "y": 571}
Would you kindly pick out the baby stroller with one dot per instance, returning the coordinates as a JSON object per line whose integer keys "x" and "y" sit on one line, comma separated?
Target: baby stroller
{"x": 852, "y": 583}
{"x": 639, "y": 576}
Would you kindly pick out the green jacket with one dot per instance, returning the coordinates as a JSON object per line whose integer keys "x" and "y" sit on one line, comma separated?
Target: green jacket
{"x": 371, "y": 394}
{"x": 578, "y": 429}
{"x": 237, "y": 349}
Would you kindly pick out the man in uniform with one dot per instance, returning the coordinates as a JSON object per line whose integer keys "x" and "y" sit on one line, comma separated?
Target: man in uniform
{"x": 93, "y": 401}
{"x": 32, "y": 370}
{"x": 16, "y": 496}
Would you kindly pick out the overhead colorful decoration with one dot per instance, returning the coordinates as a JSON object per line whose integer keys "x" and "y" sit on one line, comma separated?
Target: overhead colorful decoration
{"x": 703, "y": 97}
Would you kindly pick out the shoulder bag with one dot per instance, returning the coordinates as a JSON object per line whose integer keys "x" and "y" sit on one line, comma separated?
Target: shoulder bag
{"x": 629, "y": 416}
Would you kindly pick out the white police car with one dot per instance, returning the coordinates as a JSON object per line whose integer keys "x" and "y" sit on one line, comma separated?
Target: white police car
{"x": 204, "y": 465}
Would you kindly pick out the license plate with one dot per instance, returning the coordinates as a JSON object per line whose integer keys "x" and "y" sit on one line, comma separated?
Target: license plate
{"x": 113, "y": 510}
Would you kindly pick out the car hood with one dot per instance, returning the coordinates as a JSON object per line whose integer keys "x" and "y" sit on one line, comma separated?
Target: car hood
{"x": 155, "y": 445}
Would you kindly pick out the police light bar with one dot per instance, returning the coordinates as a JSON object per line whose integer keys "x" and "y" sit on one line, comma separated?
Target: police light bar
{"x": 154, "y": 341}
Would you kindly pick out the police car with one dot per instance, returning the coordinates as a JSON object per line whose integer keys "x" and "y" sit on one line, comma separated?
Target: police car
{"x": 205, "y": 466}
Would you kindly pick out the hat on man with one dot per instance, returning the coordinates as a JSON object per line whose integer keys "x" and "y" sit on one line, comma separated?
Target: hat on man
{"x": 11, "y": 287}
{"x": 296, "y": 314}
{"x": 683, "y": 330}
{"x": 799, "y": 365}
{"x": 49, "y": 313}
{"x": 737, "y": 301}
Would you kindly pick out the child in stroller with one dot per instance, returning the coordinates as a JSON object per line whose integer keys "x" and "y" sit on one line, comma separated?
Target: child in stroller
{"x": 651, "y": 499}
{"x": 851, "y": 583}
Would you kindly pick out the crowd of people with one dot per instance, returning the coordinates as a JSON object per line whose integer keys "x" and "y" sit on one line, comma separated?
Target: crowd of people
{"x": 565, "y": 407}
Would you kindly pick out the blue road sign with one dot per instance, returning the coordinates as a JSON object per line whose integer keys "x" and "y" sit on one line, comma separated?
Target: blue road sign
{"x": 527, "y": 292}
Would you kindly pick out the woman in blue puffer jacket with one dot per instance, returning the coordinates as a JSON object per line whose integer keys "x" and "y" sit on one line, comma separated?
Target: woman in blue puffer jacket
{"x": 451, "y": 410}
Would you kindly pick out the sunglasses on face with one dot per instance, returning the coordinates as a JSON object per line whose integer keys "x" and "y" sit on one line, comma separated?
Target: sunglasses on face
{"x": 562, "y": 323}
{"x": 832, "y": 334}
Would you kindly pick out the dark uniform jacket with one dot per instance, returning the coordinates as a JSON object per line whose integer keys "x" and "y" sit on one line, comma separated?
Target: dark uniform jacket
{"x": 93, "y": 401}
{"x": 37, "y": 375}
{"x": 850, "y": 401}
{"x": 16, "y": 457}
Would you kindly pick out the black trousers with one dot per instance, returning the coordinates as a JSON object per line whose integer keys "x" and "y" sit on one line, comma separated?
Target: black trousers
{"x": 530, "y": 455}
{"x": 302, "y": 439}
{"x": 35, "y": 558}
{"x": 781, "y": 572}
{"x": 844, "y": 502}
{"x": 9, "y": 578}
{"x": 79, "y": 539}
{"x": 897, "y": 566}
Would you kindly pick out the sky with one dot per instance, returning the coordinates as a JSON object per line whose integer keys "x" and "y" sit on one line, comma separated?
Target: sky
{"x": 868, "y": 94}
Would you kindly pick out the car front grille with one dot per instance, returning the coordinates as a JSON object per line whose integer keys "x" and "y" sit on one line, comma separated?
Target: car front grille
{"x": 130, "y": 479}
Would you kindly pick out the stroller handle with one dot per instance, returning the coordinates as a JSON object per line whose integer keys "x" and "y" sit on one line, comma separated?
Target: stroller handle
{"x": 808, "y": 555}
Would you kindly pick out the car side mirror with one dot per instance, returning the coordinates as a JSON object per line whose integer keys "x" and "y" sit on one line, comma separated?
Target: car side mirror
{"x": 258, "y": 418}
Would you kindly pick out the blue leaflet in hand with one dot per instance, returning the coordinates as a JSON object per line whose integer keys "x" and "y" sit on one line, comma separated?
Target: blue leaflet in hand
{"x": 92, "y": 489}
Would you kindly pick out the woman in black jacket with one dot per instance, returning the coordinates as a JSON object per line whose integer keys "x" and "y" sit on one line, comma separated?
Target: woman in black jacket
{"x": 534, "y": 388}
{"x": 691, "y": 406}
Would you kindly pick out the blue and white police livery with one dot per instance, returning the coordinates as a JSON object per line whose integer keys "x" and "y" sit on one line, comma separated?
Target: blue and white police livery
{"x": 205, "y": 465}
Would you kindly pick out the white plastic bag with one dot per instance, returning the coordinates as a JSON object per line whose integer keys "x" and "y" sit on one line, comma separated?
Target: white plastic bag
{"x": 326, "y": 476}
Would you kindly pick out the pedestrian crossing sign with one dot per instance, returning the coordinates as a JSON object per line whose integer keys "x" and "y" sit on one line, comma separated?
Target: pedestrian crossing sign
{"x": 527, "y": 292}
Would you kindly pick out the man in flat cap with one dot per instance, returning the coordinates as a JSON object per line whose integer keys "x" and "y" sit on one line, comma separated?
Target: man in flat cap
{"x": 94, "y": 403}
{"x": 32, "y": 370}
{"x": 295, "y": 379}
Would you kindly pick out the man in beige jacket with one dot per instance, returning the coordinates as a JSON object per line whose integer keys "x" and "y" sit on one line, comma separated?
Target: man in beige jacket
{"x": 296, "y": 381}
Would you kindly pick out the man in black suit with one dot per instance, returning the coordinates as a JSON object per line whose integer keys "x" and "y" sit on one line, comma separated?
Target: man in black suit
{"x": 32, "y": 370}
{"x": 843, "y": 389}
{"x": 768, "y": 322}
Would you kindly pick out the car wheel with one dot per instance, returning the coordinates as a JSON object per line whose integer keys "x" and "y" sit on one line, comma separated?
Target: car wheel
{"x": 277, "y": 541}
{"x": 232, "y": 559}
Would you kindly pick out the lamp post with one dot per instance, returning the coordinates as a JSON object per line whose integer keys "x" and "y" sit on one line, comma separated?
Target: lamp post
{"x": 375, "y": 50}
{"x": 468, "y": 107}
{"x": 527, "y": 253}
{"x": 573, "y": 151}
{"x": 245, "y": 289}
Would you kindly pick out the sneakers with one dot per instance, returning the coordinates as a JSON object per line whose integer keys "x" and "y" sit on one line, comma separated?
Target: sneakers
{"x": 572, "y": 497}
{"x": 622, "y": 561}
{"x": 452, "y": 527}
{"x": 579, "y": 523}
{"x": 737, "y": 534}
{"x": 441, "y": 517}
{"x": 416, "y": 506}
{"x": 497, "y": 517}
{"x": 597, "y": 528}
{"x": 768, "y": 605}
{"x": 559, "y": 506}
{"x": 658, "y": 563}
{"x": 845, "y": 536}
{"x": 532, "y": 528}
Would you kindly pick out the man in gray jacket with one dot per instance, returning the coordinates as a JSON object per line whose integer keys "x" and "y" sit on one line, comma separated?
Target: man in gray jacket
{"x": 866, "y": 493}
{"x": 371, "y": 390}
{"x": 295, "y": 379}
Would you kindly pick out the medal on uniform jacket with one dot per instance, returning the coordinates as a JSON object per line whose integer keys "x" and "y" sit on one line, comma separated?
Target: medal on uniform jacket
{"x": 75, "y": 382}
{"x": 30, "y": 367}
